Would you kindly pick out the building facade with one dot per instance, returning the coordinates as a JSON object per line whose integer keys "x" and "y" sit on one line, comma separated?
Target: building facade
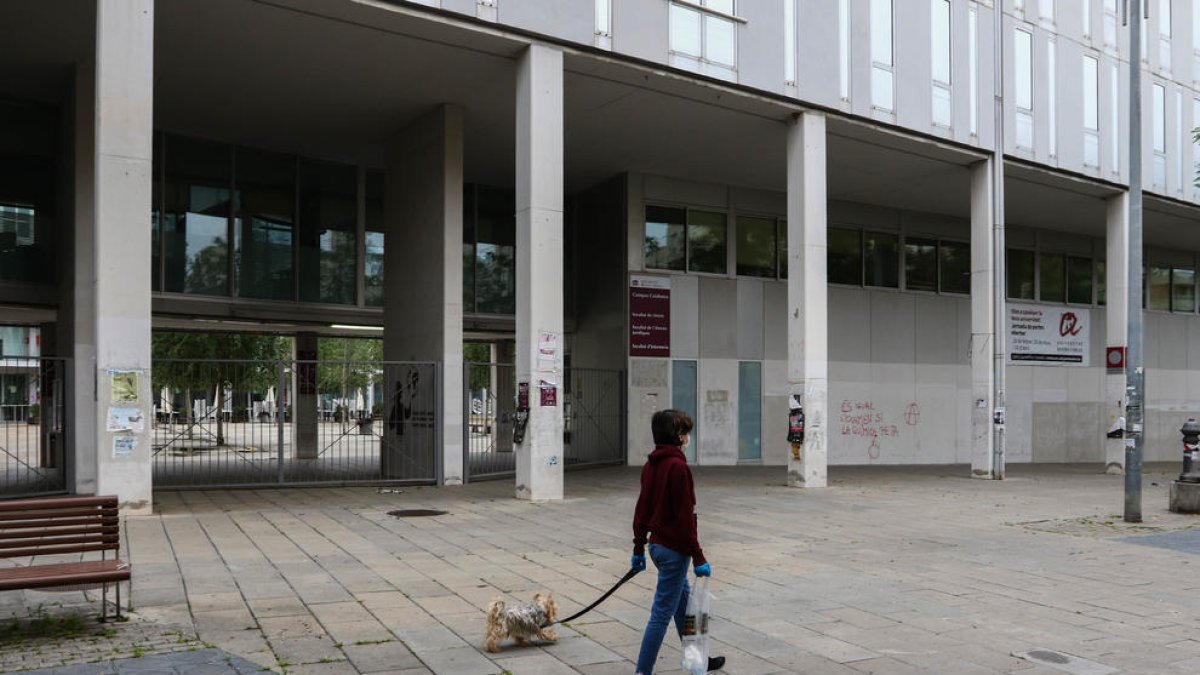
{"x": 740, "y": 205}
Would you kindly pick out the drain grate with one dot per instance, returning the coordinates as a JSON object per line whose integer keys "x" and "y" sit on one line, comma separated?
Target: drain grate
{"x": 1047, "y": 656}
{"x": 1067, "y": 663}
{"x": 416, "y": 513}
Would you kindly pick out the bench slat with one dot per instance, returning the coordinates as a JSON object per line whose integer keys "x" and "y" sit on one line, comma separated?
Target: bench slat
{"x": 57, "y": 502}
{"x": 63, "y": 574}
{"x": 65, "y": 527}
{"x": 46, "y": 514}
{"x": 59, "y": 542}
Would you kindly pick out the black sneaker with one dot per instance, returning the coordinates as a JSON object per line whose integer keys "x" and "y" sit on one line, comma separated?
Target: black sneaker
{"x": 716, "y": 663}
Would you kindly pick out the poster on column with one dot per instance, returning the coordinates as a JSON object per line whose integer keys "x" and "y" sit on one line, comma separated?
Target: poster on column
{"x": 1046, "y": 335}
{"x": 650, "y": 316}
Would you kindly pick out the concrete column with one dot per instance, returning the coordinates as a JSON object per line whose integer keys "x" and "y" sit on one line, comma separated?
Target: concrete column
{"x": 539, "y": 182}
{"x": 422, "y": 318}
{"x": 983, "y": 329}
{"x": 1116, "y": 318}
{"x": 808, "y": 312}
{"x": 306, "y": 405}
{"x": 121, "y": 250}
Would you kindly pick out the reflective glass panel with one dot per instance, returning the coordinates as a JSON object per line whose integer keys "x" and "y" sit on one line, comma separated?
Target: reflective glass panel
{"x": 495, "y": 252}
{"x": 196, "y": 209}
{"x": 373, "y": 246}
{"x": 1019, "y": 270}
{"x": 1101, "y": 283}
{"x": 920, "y": 264}
{"x": 1052, "y": 284}
{"x": 955, "y": 267}
{"x": 1158, "y": 288}
{"x": 665, "y": 238}
{"x": 27, "y": 191}
{"x": 1183, "y": 290}
{"x": 749, "y": 410}
{"x": 1079, "y": 280}
{"x": 845, "y": 256}
{"x": 783, "y": 254}
{"x": 881, "y": 259}
{"x": 756, "y": 247}
{"x": 720, "y": 40}
{"x": 685, "y": 30}
{"x": 265, "y": 204}
{"x": 707, "y": 235}
{"x": 328, "y": 225}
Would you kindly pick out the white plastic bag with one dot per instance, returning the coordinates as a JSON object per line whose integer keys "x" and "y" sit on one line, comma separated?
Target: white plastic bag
{"x": 695, "y": 628}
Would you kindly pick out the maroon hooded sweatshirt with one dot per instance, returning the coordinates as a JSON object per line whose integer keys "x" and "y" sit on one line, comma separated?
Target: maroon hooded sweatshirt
{"x": 666, "y": 507}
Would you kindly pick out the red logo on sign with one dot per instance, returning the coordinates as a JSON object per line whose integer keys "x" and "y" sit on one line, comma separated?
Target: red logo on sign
{"x": 1069, "y": 324}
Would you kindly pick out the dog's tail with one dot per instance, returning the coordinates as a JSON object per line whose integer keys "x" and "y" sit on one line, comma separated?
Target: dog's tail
{"x": 495, "y": 610}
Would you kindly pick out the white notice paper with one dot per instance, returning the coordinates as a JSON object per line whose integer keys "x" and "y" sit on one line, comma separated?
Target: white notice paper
{"x": 126, "y": 419}
{"x": 123, "y": 445}
{"x": 547, "y": 351}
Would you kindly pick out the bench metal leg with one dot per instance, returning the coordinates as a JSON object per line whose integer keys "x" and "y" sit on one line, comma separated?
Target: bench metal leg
{"x": 118, "y": 601}
{"x": 103, "y": 603}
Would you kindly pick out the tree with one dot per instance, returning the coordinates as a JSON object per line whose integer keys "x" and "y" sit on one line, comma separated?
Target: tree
{"x": 347, "y": 364}
{"x": 187, "y": 361}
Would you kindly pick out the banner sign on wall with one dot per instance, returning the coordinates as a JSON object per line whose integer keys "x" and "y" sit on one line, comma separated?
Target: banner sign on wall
{"x": 1048, "y": 335}
{"x": 650, "y": 316}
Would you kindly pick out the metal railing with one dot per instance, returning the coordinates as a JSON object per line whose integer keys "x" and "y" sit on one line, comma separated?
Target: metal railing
{"x": 256, "y": 423}
{"x": 593, "y": 419}
{"x": 33, "y": 400}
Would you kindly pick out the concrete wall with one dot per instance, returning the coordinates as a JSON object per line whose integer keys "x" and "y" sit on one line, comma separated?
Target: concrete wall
{"x": 899, "y": 374}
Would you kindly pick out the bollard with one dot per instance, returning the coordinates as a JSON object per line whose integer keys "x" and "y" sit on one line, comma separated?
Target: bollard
{"x": 1191, "y": 451}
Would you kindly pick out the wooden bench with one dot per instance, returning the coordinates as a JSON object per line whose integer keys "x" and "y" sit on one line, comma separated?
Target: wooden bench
{"x": 63, "y": 526}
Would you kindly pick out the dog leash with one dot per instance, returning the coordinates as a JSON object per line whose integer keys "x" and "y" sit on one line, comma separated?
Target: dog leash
{"x": 628, "y": 575}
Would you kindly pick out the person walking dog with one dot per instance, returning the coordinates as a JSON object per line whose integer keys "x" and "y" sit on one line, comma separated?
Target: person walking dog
{"x": 666, "y": 518}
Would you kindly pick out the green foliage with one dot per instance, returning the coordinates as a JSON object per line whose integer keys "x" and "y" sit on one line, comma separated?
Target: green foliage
{"x": 347, "y": 364}
{"x": 184, "y": 360}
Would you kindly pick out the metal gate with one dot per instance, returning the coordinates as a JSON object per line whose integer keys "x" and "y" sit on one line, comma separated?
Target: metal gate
{"x": 259, "y": 423}
{"x": 33, "y": 395}
{"x": 593, "y": 419}
{"x": 490, "y": 392}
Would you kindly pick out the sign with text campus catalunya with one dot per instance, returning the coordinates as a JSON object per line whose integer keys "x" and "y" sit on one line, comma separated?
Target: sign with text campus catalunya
{"x": 650, "y": 316}
{"x": 1045, "y": 335}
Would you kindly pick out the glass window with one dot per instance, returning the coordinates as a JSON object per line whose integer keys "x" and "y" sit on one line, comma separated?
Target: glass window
{"x": 783, "y": 254}
{"x": 955, "y": 266}
{"x": 940, "y": 30}
{"x": 1019, "y": 270}
{"x": 1052, "y": 96}
{"x": 1052, "y": 281}
{"x": 845, "y": 256}
{"x": 196, "y": 210}
{"x": 156, "y": 207}
{"x": 706, "y": 237}
{"x": 881, "y": 258}
{"x": 373, "y": 246}
{"x": 27, "y": 193}
{"x": 1158, "y": 288}
{"x": 468, "y": 260}
{"x": 1046, "y": 10}
{"x": 1159, "y": 118}
{"x": 1183, "y": 290}
{"x": 1091, "y": 97}
{"x": 973, "y": 66}
{"x": 1101, "y": 283}
{"x": 603, "y": 17}
{"x": 495, "y": 252}
{"x": 328, "y": 227}
{"x": 1023, "y": 69}
{"x": 881, "y": 32}
{"x": 749, "y": 410}
{"x": 756, "y": 253}
{"x": 920, "y": 264}
{"x": 720, "y": 40}
{"x": 1079, "y": 280}
{"x": 265, "y": 204}
{"x": 665, "y": 238}
{"x": 789, "y": 41}
{"x": 1110, "y": 23}
{"x": 685, "y": 30}
{"x": 1114, "y": 115}
{"x": 844, "y": 48}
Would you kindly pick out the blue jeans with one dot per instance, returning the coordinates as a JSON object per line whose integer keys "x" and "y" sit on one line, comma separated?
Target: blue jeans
{"x": 670, "y": 600}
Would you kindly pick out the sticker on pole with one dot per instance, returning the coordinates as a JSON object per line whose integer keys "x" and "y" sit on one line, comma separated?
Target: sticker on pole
{"x": 1042, "y": 335}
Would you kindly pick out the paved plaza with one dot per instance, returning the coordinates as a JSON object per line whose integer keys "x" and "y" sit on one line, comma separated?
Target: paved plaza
{"x": 906, "y": 570}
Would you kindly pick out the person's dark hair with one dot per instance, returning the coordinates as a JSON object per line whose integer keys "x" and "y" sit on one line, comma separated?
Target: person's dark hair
{"x": 669, "y": 427}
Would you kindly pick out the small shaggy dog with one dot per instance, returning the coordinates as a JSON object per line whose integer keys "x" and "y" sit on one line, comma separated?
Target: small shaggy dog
{"x": 521, "y": 622}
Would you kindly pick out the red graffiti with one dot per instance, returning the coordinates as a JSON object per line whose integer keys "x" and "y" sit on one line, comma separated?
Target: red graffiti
{"x": 1069, "y": 325}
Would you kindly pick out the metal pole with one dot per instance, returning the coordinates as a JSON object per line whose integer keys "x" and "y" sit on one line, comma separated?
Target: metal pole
{"x": 999, "y": 324}
{"x": 279, "y": 420}
{"x": 1134, "y": 375}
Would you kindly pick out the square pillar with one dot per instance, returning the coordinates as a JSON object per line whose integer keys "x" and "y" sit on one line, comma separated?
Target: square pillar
{"x": 984, "y": 278}
{"x": 422, "y": 314}
{"x": 808, "y": 296}
{"x": 305, "y": 405}
{"x": 539, "y": 343}
{"x": 119, "y": 298}
{"x": 1116, "y": 273}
